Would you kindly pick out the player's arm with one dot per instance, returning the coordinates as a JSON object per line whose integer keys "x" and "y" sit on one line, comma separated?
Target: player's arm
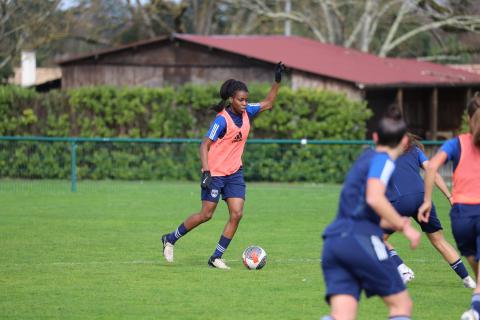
{"x": 217, "y": 130}
{"x": 375, "y": 197}
{"x": 440, "y": 183}
{"x": 430, "y": 171}
{"x": 206, "y": 180}
{"x": 204, "y": 148}
{"x": 267, "y": 103}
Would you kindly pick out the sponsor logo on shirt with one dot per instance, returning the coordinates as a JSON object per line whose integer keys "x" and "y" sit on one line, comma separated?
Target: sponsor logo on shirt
{"x": 238, "y": 137}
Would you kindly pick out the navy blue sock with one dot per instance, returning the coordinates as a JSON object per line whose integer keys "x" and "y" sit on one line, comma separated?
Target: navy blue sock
{"x": 395, "y": 257}
{"x": 400, "y": 318}
{"x": 476, "y": 302}
{"x": 177, "y": 234}
{"x": 221, "y": 247}
{"x": 460, "y": 269}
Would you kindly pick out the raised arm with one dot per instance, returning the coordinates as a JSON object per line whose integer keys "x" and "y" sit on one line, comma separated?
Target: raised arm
{"x": 267, "y": 103}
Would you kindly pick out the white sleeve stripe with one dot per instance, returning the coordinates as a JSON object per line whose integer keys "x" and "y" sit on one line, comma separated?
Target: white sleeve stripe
{"x": 387, "y": 171}
{"x": 214, "y": 131}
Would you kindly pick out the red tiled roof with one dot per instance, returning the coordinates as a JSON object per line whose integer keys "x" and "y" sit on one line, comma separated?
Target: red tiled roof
{"x": 337, "y": 62}
{"x": 475, "y": 68}
{"x": 363, "y": 69}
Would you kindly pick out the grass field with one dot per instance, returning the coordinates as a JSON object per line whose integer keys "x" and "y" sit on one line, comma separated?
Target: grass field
{"x": 96, "y": 254}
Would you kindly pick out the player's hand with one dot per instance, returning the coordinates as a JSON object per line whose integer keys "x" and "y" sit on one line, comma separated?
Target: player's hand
{"x": 424, "y": 212}
{"x": 411, "y": 234}
{"x": 450, "y": 200}
{"x": 206, "y": 181}
{"x": 279, "y": 69}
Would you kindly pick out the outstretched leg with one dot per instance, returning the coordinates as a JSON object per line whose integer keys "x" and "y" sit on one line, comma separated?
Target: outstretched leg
{"x": 451, "y": 256}
{"x": 205, "y": 214}
{"x": 168, "y": 240}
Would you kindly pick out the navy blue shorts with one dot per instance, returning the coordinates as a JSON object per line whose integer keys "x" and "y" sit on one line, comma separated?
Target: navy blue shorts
{"x": 407, "y": 205}
{"x": 466, "y": 228}
{"x": 352, "y": 263}
{"x": 231, "y": 186}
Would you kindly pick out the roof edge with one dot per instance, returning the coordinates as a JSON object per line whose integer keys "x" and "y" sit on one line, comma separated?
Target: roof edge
{"x": 115, "y": 49}
{"x": 365, "y": 86}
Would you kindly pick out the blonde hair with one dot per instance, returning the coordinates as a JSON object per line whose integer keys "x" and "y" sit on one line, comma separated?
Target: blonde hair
{"x": 474, "y": 116}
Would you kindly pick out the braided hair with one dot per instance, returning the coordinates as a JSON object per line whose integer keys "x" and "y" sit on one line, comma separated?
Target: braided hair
{"x": 227, "y": 90}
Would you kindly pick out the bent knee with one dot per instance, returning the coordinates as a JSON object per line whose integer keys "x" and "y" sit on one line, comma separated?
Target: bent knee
{"x": 236, "y": 215}
{"x": 206, "y": 215}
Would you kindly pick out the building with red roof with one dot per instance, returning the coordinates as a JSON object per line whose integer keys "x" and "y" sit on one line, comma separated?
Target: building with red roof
{"x": 432, "y": 96}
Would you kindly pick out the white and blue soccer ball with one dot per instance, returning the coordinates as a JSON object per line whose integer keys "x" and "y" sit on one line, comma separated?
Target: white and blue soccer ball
{"x": 254, "y": 258}
{"x": 470, "y": 315}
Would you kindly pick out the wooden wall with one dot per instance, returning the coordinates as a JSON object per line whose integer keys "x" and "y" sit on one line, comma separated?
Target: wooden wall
{"x": 417, "y": 109}
{"x": 168, "y": 64}
{"x": 301, "y": 79}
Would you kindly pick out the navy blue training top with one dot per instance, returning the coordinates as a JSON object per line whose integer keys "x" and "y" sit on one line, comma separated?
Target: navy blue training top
{"x": 406, "y": 178}
{"x": 354, "y": 214}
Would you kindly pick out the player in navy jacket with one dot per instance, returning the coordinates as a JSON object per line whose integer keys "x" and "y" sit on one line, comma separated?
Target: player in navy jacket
{"x": 354, "y": 256}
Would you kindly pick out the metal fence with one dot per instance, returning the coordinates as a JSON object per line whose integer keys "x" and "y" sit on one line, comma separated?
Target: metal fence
{"x": 73, "y": 159}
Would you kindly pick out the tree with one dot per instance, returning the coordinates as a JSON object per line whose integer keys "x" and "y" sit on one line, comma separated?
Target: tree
{"x": 24, "y": 24}
{"x": 360, "y": 24}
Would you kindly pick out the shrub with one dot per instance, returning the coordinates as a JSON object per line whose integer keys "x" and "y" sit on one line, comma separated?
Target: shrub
{"x": 172, "y": 113}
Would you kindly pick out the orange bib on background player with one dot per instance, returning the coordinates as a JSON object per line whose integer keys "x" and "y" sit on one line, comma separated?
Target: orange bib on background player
{"x": 466, "y": 177}
{"x": 225, "y": 154}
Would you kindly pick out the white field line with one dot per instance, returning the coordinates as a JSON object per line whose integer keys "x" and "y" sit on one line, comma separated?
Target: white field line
{"x": 161, "y": 261}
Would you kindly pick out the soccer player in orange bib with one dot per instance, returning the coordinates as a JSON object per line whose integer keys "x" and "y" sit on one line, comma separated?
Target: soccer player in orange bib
{"x": 464, "y": 152}
{"x": 221, "y": 156}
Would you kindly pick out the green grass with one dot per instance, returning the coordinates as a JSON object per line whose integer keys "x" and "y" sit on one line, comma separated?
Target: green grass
{"x": 96, "y": 254}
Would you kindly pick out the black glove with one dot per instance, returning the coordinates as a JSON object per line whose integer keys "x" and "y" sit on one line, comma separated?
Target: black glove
{"x": 279, "y": 68}
{"x": 206, "y": 180}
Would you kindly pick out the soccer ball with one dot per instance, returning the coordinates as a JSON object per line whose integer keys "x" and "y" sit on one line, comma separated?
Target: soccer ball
{"x": 254, "y": 257}
{"x": 470, "y": 315}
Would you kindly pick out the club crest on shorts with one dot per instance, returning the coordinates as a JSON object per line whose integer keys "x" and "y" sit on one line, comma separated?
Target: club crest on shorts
{"x": 214, "y": 193}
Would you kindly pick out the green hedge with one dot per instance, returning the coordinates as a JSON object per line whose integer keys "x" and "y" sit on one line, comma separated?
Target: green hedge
{"x": 172, "y": 113}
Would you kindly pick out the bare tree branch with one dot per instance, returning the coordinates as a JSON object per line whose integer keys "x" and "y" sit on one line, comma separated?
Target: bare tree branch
{"x": 470, "y": 23}
{"x": 380, "y": 13}
{"x": 393, "y": 30}
{"x": 5, "y": 61}
{"x": 146, "y": 19}
{"x": 328, "y": 21}
{"x": 440, "y": 58}
{"x": 262, "y": 10}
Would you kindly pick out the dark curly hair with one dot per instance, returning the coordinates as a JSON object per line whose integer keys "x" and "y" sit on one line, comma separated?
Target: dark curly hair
{"x": 227, "y": 90}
